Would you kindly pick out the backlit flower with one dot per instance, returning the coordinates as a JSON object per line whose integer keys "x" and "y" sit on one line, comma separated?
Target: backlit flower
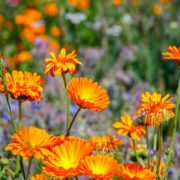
{"x": 39, "y": 177}
{"x": 88, "y": 94}
{"x": 61, "y": 63}
{"x": 126, "y": 127}
{"x": 30, "y": 142}
{"x": 173, "y": 53}
{"x": 155, "y": 108}
{"x": 23, "y": 85}
{"x": 134, "y": 172}
{"x": 98, "y": 166}
{"x": 105, "y": 142}
{"x": 64, "y": 160}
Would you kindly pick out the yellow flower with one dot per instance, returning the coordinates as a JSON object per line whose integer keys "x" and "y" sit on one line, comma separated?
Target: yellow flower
{"x": 105, "y": 142}
{"x": 30, "y": 142}
{"x": 173, "y": 53}
{"x": 88, "y": 94}
{"x": 61, "y": 63}
{"x": 64, "y": 159}
{"x": 23, "y": 85}
{"x": 39, "y": 177}
{"x": 155, "y": 108}
{"x": 126, "y": 127}
{"x": 98, "y": 166}
{"x": 135, "y": 172}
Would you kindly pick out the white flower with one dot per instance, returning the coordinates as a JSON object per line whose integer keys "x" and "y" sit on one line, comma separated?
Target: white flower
{"x": 114, "y": 30}
{"x": 75, "y": 18}
{"x": 127, "y": 19}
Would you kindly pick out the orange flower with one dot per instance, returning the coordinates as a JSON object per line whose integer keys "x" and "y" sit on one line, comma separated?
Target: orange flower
{"x": 55, "y": 31}
{"x": 156, "y": 9}
{"x": 30, "y": 141}
{"x": 63, "y": 161}
{"x": 51, "y": 9}
{"x": 39, "y": 177}
{"x": 1, "y": 19}
{"x": 117, "y": 2}
{"x": 155, "y": 108}
{"x": 105, "y": 142}
{"x": 173, "y": 52}
{"x": 134, "y": 172}
{"x": 126, "y": 127}
{"x": 88, "y": 94}
{"x": 164, "y": 1}
{"x": 23, "y": 85}
{"x": 81, "y": 4}
{"x": 23, "y": 56}
{"x": 161, "y": 169}
{"x": 98, "y": 166}
{"x": 61, "y": 63}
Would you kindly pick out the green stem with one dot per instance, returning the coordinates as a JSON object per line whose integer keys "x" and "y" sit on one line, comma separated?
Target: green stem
{"x": 135, "y": 152}
{"x": 29, "y": 168}
{"x": 154, "y": 147}
{"x": 148, "y": 146}
{"x": 72, "y": 122}
{"x": 67, "y": 102}
{"x": 3, "y": 79}
{"x": 160, "y": 150}
{"x": 76, "y": 178}
{"x": 170, "y": 151}
{"x": 22, "y": 167}
{"x": 20, "y": 113}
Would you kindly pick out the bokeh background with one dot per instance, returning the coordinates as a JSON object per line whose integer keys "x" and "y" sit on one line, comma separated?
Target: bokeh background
{"x": 118, "y": 41}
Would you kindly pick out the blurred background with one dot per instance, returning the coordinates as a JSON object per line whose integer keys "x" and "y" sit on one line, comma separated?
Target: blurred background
{"x": 118, "y": 41}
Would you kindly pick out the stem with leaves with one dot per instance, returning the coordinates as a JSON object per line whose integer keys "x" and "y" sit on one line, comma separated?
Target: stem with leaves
{"x": 170, "y": 150}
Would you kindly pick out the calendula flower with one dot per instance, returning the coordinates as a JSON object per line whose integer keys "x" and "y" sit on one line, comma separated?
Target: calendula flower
{"x": 98, "y": 166}
{"x": 155, "y": 108}
{"x": 173, "y": 53}
{"x": 134, "y": 172}
{"x": 64, "y": 160}
{"x": 23, "y": 85}
{"x": 117, "y": 2}
{"x": 39, "y": 177}
{"x": 81, "y": 4}
{"x": 51, "y": 9}
{"x": 161, "y": 168}
{"x": 30, "y": 142}
{"x": 88, "y": 94}
{"x": 156, "y": 9}
{"x": 126, "y": 127}
{"x": 61, "y": 63}
{"x": 105, "y": 142}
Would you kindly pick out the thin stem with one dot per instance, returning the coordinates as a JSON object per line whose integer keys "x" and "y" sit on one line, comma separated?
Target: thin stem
{"x": 148, "y": 146}
{"x": 72, "y": 122}
{"x": 135, "y": 152}
{"x": 76, "y": 178}
{"x": 20, "y": 113}
{"x": 6, "y": 95}
{"x": 160, "y": 150}
{"x": 170, "y": 151}
{"x": 22, "y": 167}
{"x": 154, "y": 147}
{"x": 29, "y": 168}
{"x": 67, "y": 102}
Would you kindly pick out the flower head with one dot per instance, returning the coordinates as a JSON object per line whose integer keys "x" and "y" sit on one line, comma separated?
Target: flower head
{"x": 61, "y": 63}
{"x": 173, "y": 53}
{"x": 39, "y": 177}
{"x": 126, "y": 127}
{"x": 23, "y": 85}
{"x": 155, "y": 108}
{"x": 134, "y": 172}
{"x": 98, "y": 166}
{"x": 88, "y": 94}
{"x": 105, "y": 142}
{"x": 30, "y": 141}
{"x": 64, "y": 160}
{"x": 51, "y": 9}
